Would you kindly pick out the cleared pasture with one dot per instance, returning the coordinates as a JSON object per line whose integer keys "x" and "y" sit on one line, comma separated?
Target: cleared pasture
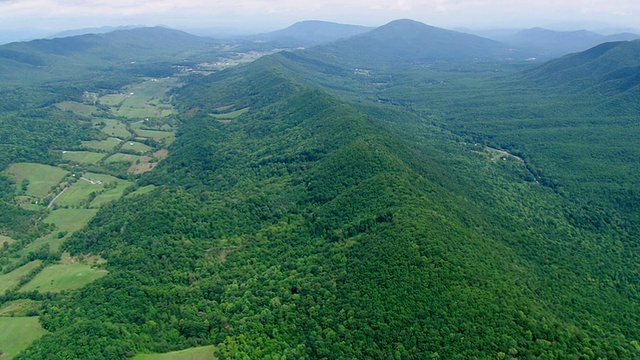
{"x": 77, "y": 108}
{"x": 65, "y": 220}
{"x": 11, "y": 280}
{"x": 41, "y": 177}
{"x": 17, "y": 333}
{"x": 59, "y": 277}
{"x": 230, "y": 115}
{"x": 156, "y": 135}
{"x": 6, "y": 239}
{"x": 119, "y": 157}
{"x": 102, "y": 145}
{"x": 197, "y": 353}
{"x": 143, "y": 99}
{"x": 141, "y": 191}
{"x": 83, "y": 157}
{"x": 19, "y": 308}
{"x": 137, "y": 147}
{"x": 115, "y": 128}
{"x": 106, "y": 187}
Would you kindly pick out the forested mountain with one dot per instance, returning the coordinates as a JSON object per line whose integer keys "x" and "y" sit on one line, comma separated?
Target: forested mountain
{"x": 405, "y": 193}
{"x": 406, "y": 41}
{"x": 547, "y": 43}
{"x": 311, "y": 32}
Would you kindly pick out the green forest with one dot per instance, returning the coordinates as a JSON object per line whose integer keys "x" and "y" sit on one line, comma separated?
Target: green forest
{"x": 307, "y": 208}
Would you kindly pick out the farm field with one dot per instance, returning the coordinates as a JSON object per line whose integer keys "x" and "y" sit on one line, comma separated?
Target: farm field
{"x": 6, "y": 239}
{"x": 77, "y": 108}
{"x": 16, "y": 333}
{"x": 84, "y": 157}
{"x": 65, "y": 220}
{"x": 115, "y": 128}
{"x": 198, "y": 353}
{"x": 11, "y": 280}
{"x": 156, "y": 135}
{"x": 58, "y": 277}
{"x": 105, "y": 186}
{"x": 142, "y": 99}
{"x": 143, "y": 190}
{"x": 18, "y": 308}
{"x": 104, "y": 145}
{"x": 41, "y": 177}
{"x": 136, "y": 147}
{"x": 230, "y": 115}
{"x": 119, "y": 157}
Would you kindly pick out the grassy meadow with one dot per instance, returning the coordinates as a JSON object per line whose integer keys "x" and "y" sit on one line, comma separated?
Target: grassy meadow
{"x": 198, "y": 353}
{"x": 77, "y": 108}
{"x": 41, "y": 177}
{"x": 17, "y": 333}
{"x": 136, "y": 147}
{"x": 105, "y": 187}
{"x": 59, "y": 277}
{"x": 19, "y": 308}
{"x": 103, "y": 145}
{"x": 83, "y": 157}
{"x": 115, "y": 128}
{"x": 12, "y": 279}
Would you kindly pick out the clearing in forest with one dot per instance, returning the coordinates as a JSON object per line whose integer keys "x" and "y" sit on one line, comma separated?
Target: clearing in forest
{"x": 104, "y": 187}
{"x": 198, "y": 353}
{"x": 102, "y": 145}
{"x": 19, "y": 308}
{"x": 17, "y": 333}
{"x": 58, "y": 277}
{"x": 113, "y": 128}
{"x": 77, "y": 108}
{"x": 82, "y": 157}
{"x": 66, "y": 221}
{"x": 136, "y": 147}
{"x": 41, "y": 177}
{"x": 10, "y": 280}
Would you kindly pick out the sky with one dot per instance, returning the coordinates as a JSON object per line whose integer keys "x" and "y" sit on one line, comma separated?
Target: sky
{"x": 252, "y": 16}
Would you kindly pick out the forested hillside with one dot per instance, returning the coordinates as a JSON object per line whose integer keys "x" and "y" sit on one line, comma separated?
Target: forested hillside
{"x": 338, "y": 207}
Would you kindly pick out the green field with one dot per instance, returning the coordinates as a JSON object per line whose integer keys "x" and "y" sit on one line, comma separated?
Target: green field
{"x": 79, "y": 193}
{"x": 19, "y": 308}
{"x": 41, "y": 177}
{"x": 126, "y": 158}
{"x": 84, "y": 157}
{"x": 136, "y": 146}
{"x": 142, "y": 100}
{"x": 65, "y": 220}
{"x": 58, "y": 277}
{"x": 143, "y": 190}
{"x": 230, "y": 115}
{"x": 155, "y": 134}
{"x": 6, "y": 239}
{"x": 76, "y": 107}
{"x": 16, "y": 333}
{"x": 198, "y": 353}
{"x": 10, "y": 280}
{"x": 104, "y": 145}
{"x": 115, "y": 128}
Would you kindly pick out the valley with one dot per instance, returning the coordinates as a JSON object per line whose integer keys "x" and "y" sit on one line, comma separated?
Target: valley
{"x": 372, "y": 196}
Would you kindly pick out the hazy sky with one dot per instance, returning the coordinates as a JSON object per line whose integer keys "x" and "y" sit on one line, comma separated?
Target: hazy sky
{"x": 263, "y": 15}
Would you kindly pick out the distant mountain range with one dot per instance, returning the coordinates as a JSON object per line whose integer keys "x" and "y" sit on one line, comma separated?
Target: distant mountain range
{"x": 545, "y": 43}
{"x": 311, "y": 32}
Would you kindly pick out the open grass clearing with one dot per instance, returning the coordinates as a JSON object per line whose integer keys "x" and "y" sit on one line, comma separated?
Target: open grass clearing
{"x": 197, "y": 353}
{"x": 112, "y": 99}
{"x": 18, "y": 308}
{"x": 119, "y": 157}
{"x": 141, "y": 191}
{"x": 67, "y": 221}
{"x": 17, "y": 333}
{"x": 115, "y": 128}
{"x": 11, "y": 280}
{"x": 142, "y": 100}
{"x": 77, "y": 108}
{"x": 156, "y": 135}
{"x": 230, "y": 115}
{"x": 59, "y": 277}
{"x": 102, "y": 145}
{"x": 137, "y": 147}
{"x": 41, "y": 177}
{"x": 105, "y": 186}
{"x": 83, "y": 157}
{"x": 6, "y": 239}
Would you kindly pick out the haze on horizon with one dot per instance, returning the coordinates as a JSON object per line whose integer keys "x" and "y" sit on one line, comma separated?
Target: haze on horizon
{"x": 253, "y": 16}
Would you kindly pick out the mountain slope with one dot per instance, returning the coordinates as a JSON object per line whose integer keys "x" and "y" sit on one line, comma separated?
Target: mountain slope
{"x": 549, "y": 43}
{"x": 311, "y": 32}
{"x": 307, "y": 228}
{"x": 409, "y": 42}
